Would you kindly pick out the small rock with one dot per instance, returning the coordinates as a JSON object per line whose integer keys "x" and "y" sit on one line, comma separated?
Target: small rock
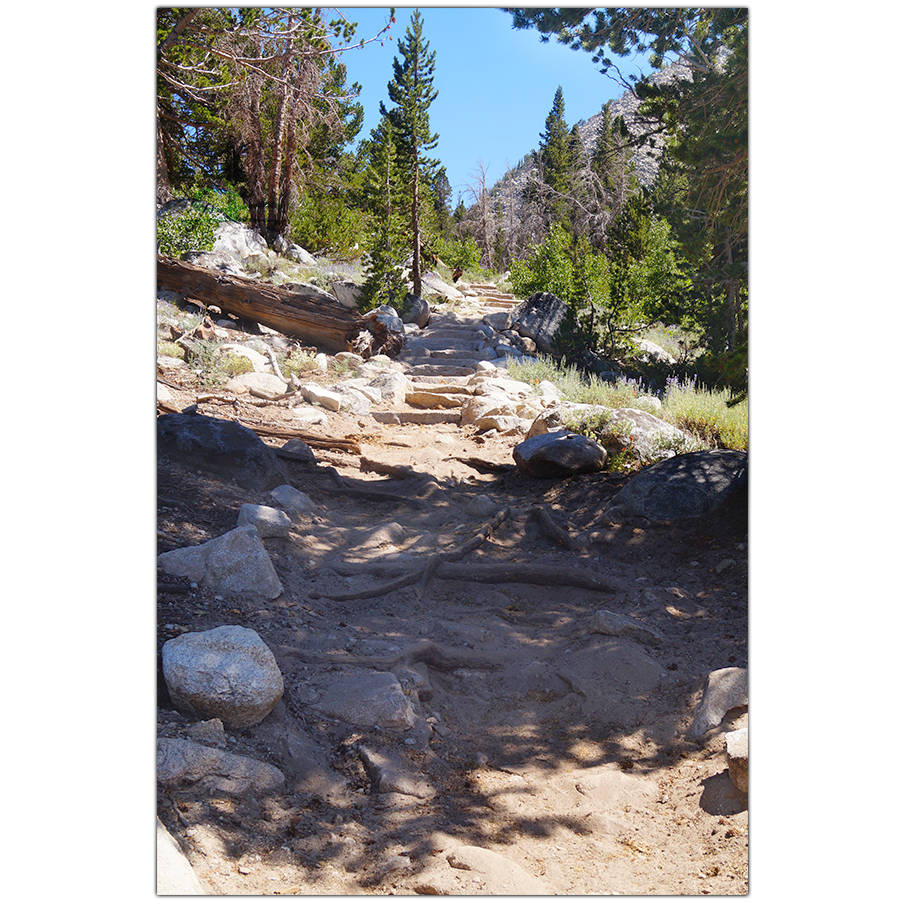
{"x": 610, "y": 624}
{"x": 265, "y": 384}
{"x": 269, "y": 522}
{"x": 320, "y": 395}
{"x": 210, "y": 732}
{"x": 724, "y": 690}
{"x": 389, "y": 774}
{"x": 309, "y": 415}
{"x": 293, "y": 500}
{"x": 481, "y": 507}
{"x": 300, "y": 451}
{"x": 365, "y": 698}
{"x": 738, "y": 756}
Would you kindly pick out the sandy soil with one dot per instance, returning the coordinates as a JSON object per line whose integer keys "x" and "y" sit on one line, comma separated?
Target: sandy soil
{"x": 553, "y": 760}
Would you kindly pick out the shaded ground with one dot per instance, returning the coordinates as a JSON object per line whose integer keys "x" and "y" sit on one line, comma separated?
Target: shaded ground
{"x": 562, "y": 751}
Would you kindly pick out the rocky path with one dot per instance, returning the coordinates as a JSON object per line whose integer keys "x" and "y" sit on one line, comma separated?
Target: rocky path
{"x": 488, "y": 686}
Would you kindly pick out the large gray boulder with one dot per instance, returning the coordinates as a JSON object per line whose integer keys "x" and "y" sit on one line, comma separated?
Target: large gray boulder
{"x": 349, "y": 294}
{"x": 180, "y": 763}
{"x": 238, "y": 241}
{"x": 235, "y": 562}
{"x": 559, "y": 454}
{"x": 684, "y": 486}
{"x": 416, "y": 310}
{"x": 219, "y": 447}
{"x": 227, "y": 672}
{"x": 539, "y": 318}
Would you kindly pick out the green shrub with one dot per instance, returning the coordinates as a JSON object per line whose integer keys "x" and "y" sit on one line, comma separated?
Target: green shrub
{"x": 706, "y": 414}
{"x": 703, "y": 413}
{"x": 548, "y": 268}
{"x": 214, "y": 368}
{"x": 323, "y": 224}
{"x": 182, "y": 232}
{"x": 227, "y": 202}
{"x": 459, "y": 252}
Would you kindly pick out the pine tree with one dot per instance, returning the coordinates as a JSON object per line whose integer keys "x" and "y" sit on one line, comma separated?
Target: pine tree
{"x": 411, "y": 90}
{"x": 384, "y": 282}
{"x": 556, "y": 157}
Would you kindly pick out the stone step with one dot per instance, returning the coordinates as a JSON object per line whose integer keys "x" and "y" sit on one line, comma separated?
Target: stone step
{"x": 445, "y": 386}
{"x": 437, "y": 398}
{"x": 457, "y": 333}
{"x": 450, "y": 383}
{"x": 444, "y": 416}
{"x": 445, "y": 363}
{"x": 439, "y": 370}
{"x": 454, "y": 357}
{"x": 447, "y": 344}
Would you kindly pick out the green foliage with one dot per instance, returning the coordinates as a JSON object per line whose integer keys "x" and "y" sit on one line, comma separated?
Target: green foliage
{"x": 214, "y": 368}
{"x": 702, "y": 189}
{"x": 295, "y": 363}
{"x": 226, "y": 202}
{"x": 548, "y": 268}
{"x": 386, "y": 195}
{"x": 183, "y": 232}
{"x": 707, "y": 415}
{"x": 412, "y": 92}
{"x": 459, "y": 252}
{"x": 326, "y": 224}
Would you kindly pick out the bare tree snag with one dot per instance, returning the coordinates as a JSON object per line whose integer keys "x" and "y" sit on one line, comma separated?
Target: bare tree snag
{"x": 314, "y": 317}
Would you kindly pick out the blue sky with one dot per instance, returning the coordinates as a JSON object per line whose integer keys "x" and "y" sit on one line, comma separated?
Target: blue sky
{"x": 495, "y": 84}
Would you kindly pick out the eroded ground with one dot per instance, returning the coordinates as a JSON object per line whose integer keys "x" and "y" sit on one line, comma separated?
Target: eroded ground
{"x": 548, "y": 758}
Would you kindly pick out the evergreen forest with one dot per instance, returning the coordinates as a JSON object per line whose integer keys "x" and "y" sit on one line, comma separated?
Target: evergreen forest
{"x": 256, "y": 121}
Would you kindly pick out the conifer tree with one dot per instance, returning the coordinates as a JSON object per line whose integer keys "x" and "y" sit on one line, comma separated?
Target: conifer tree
{"x": 384, "y": 282}
{"x": 556, "y": 146}
{"x": 412, "y": 92}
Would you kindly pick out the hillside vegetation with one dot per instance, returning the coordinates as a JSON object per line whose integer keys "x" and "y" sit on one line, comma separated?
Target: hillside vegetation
{"x": 637, "y": 218}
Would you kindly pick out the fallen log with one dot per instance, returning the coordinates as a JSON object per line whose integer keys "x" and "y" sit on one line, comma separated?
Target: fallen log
{"x": 305, "y": 313}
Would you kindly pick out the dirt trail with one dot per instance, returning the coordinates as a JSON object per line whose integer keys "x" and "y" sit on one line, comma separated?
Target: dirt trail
{"x": 546, "y": 758}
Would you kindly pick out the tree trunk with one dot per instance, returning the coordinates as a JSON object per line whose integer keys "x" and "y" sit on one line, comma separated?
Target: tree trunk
{"x": 163, "y": 183}
{"x": 312, "y": 316}
{"x": 273, "y": 226}
{"x": 416, "y": 239}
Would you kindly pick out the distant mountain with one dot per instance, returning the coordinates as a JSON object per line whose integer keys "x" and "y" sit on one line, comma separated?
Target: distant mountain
{"x": 646, "y": 160}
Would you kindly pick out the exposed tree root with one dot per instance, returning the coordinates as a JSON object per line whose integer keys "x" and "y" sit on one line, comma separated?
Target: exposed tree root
{"x": 530, "y": 574}
{"x": 424, "y": 651}
{"x": 343, "y": 487}
{"x": 554, "y": 531}
{"x": 426, "y": 570}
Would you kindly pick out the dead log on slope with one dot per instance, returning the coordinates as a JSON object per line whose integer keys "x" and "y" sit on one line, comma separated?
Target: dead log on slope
{"x": 313, "y": 316}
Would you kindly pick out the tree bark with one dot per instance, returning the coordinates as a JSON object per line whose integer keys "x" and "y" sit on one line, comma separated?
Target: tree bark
{"x": 312, "y": 316}
{"x": 163, "y": 183}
